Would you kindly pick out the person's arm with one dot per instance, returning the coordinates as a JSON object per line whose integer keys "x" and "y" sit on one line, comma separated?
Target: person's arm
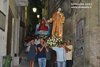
{"x": 67, "y": 49}
{"x": 36, "y": 49}
{"x": 40, "y": 49}
{"x": 55, "y": 48}
{"x": 72, "y": 53}
{"x": 45, "y": 45}
{"x": 28, "y": 44}
{"x": 64, "y": 54}
{"x": 46, "y": 49}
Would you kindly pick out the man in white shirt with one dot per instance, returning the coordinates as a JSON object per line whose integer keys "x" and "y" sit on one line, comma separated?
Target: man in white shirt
{"x": 61, "y": 57}
{"x": 69, "y": 54}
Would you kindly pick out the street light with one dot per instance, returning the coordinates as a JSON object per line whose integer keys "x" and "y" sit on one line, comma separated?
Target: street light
{"x": 38, "y": 16}
{"x": 34, "y": 9}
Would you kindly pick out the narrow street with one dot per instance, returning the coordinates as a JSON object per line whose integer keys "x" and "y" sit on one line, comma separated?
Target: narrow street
{"x": 55, "y": 23}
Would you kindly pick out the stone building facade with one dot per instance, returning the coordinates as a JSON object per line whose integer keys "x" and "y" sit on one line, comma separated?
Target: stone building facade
{"x": 82, "y": 26}
{"x": 89, "y": 56}
{"x": 9, "y": 37}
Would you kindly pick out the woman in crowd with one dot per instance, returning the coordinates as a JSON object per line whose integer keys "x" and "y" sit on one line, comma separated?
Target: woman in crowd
{"x": 37, "y": 40}
{"x": 32, "y": 53}
{"x": 42, "y": 49}
{"x": 69, "y": 53}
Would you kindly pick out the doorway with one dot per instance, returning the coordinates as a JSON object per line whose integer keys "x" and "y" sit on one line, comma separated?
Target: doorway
{"x": 9, "y": 33}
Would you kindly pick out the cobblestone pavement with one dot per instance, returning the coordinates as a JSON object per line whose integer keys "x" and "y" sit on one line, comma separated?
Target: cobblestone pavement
{"x": 25, "y": 64}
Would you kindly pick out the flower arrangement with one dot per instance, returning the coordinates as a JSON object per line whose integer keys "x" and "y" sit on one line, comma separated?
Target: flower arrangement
{"x": 53, "y": 41}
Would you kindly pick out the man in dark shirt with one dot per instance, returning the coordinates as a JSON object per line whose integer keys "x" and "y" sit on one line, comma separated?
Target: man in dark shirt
{"x": 42, "y": 53}
{"x": 53, "y": 58}
{"x": 42, "y": 49}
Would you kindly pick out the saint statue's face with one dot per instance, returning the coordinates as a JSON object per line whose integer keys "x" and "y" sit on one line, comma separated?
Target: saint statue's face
{"x": 43, "y": 21}
{"x": 59, "y": 9}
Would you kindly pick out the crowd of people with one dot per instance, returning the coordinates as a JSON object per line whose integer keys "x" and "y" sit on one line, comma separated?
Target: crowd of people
{"x": 49, "y": 56}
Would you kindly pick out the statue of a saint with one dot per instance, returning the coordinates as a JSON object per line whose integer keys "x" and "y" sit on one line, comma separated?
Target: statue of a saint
{"x": 58, "y": 20}
{"x": 42, "y": 28}
{"x": 43, "y": 25}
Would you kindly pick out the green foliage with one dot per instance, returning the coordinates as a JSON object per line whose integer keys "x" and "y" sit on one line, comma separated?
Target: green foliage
{"x": 7, "y": 61}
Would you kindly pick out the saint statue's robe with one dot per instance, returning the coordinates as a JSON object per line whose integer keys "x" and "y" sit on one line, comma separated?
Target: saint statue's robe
{"x": 58, "y": 20}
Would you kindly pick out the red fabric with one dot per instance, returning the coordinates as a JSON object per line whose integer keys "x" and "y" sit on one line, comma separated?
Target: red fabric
{"x": 43, "y": 26}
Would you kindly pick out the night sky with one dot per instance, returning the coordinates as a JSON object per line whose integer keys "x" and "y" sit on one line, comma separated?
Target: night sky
{"x": 33, "y": 20}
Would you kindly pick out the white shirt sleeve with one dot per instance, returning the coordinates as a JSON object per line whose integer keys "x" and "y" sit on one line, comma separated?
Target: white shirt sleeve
{"x": 28, "y": 44}
{"x": 55, "y": 48}
{"x": 64, "y": 55}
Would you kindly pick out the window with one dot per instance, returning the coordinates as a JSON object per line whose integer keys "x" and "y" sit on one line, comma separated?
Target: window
{"x": 2, "y": 21}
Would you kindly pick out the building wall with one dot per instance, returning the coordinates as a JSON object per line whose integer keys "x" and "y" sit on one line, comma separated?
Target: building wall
{"x": 4, "y": 7}
{"x": 78, "y": 52}
{"x": 68, "y": 29}
{"x": 14, "y": 8}
{"x": 3, "y": 34}
{"x": 91, "y": 54}
{"x": 16, "y": 22}
{"x": 15, "y": 30}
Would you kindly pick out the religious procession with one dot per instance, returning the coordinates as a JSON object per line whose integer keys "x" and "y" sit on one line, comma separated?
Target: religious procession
{"x": 47, "y": 48}
{"x": 49, "y": 33}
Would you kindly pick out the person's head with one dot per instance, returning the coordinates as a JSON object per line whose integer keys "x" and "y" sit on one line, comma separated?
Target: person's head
{"x": 42, "y": 40}
{"x": 37, "y": 37}
{"x": 32, "y": 41}
{"x": 43, "y": 21}
{"x": 65, "y": 43}
{"x": 59, "y": 9}
{"x": 60, "y": 45}
{"x": 69, "y": 42}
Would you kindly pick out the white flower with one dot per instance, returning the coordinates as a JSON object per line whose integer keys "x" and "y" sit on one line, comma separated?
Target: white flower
{"x": 53, "y": 41}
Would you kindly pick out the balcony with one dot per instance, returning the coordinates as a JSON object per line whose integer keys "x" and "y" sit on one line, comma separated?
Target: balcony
{"x": 21, "y": 2}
